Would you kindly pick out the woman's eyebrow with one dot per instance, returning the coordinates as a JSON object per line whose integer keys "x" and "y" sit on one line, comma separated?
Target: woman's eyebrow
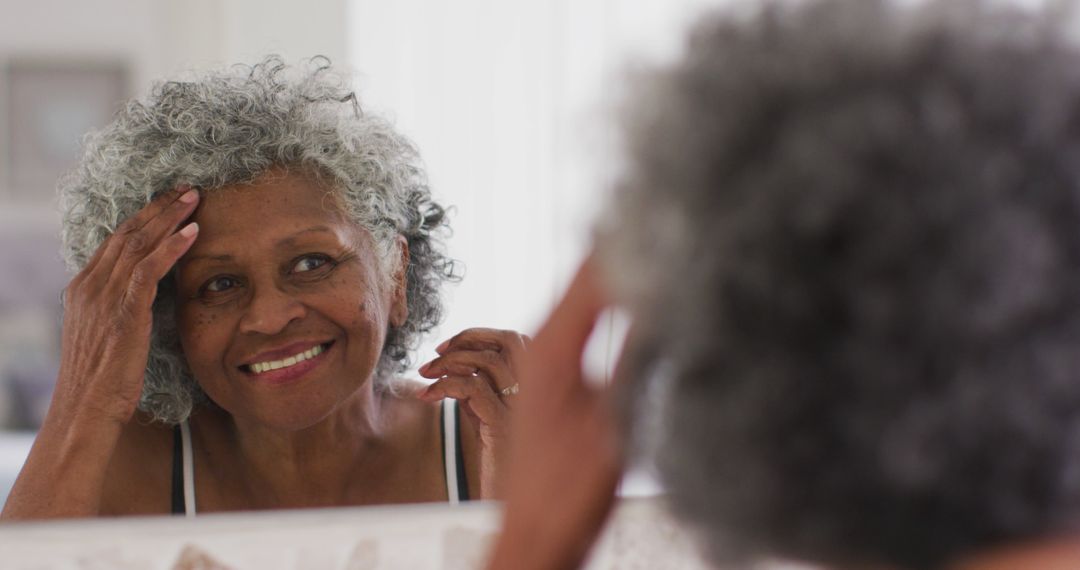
{"x": 289, "y": 240}
{"x": 225, "y": 257}
{"x": 222, "y": 258}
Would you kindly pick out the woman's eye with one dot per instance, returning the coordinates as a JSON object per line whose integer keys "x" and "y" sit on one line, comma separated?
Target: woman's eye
{"x": 310, "y": 262}
{"x": 219, "y": 284}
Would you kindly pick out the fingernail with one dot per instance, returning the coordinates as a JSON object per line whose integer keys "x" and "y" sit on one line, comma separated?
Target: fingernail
{"x": 442, "y": 347}
{"x": 189, "y": 196}
{"x": 190, "y": 230}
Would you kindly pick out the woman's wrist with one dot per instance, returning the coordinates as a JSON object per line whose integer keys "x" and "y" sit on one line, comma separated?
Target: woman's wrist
{"x": 64, "y": 474}
{"x": 85, "y": 433}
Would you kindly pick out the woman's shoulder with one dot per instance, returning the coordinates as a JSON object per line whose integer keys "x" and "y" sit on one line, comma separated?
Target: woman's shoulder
{"x": 139, "y": 477}
{"x": 423, "y": 419}
{"x": 408, "y": 411}
{"x": 464, "y": 426}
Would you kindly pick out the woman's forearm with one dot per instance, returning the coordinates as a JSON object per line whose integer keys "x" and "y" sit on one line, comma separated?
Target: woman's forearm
{"x": 65, "y": 472}
{"x": 519, "y": 549}
{"x": 108, "y": 316}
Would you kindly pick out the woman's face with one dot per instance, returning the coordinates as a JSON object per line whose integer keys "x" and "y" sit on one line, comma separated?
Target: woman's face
{"x": 282, "y": 306}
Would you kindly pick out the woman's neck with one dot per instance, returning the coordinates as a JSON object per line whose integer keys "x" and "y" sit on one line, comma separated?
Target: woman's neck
{"x": 313, "y": 465}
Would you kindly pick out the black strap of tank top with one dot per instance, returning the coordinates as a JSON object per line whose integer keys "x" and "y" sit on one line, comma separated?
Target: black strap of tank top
{"x": 178, "y": 472}
{"x": 462, "y": 484}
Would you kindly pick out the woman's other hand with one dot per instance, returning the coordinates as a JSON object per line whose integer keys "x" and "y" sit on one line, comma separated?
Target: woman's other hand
{"x": 478, "y": 367}
{"x": 104, "y": 349}
{"x": 565, "y": 460}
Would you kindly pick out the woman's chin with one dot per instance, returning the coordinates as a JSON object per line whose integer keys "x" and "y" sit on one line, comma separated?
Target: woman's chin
{"x": 286, "y": 415}
{"x": 291, "y": 420}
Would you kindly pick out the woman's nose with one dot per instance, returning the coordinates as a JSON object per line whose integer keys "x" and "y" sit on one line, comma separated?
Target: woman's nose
{"x": 270, "y": 310}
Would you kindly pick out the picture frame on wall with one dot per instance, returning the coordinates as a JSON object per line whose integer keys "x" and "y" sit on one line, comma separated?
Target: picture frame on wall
{"x": 49, "y": 106}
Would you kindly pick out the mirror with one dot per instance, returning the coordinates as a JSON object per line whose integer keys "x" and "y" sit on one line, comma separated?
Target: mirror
{"x": 509, "y": 109}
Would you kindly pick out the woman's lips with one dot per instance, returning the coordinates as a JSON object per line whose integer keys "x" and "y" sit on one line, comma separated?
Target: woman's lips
{"x": 283, "y": 352}
{"x": 288, "y": 368}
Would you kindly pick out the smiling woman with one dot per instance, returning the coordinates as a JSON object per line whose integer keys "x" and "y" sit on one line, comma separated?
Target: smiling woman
{"x": 256, "y": 257}
{"x": 276, "y": 310}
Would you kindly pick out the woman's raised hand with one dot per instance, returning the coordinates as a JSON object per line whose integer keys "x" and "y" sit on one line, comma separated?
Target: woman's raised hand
{"x": 107, "y": 310}
{"x": 105, "y": 345}
{"x": 478, "y": 367}
{"x": 565, "y": 460}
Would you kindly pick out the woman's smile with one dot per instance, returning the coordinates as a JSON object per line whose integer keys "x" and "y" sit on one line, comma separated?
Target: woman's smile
{"x": 299, "y": 362}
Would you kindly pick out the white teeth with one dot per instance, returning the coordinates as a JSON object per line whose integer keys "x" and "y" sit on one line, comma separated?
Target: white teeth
{"x": 260, "y": 367}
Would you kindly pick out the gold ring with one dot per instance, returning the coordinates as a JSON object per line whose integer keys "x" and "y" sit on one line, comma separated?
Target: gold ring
{"x": 509, "y": 390}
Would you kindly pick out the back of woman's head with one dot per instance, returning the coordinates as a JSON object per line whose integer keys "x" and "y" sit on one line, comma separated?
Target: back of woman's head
{"x": 850, "y": 233}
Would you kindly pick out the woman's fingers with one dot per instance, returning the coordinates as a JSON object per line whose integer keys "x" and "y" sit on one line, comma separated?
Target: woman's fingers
{"x": 140, "y": 242}
{"x": 474, "y": 391}
{"x": 554, "y": 356}
{"x": 493, "y": 353}
{"x": 142, "y": 287}
{"x": 494, "y": 365}
{"x": 485, "y": 339}
{"x": 107, "y": 253}
{"x": 140, "y": 234}
{"x": 573, "y": 318}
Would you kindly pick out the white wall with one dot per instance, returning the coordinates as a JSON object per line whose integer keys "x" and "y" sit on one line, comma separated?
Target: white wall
{"x": 159, "y": 37}
{"x": 154, "y": 39}
{"x": 511, "y": 105}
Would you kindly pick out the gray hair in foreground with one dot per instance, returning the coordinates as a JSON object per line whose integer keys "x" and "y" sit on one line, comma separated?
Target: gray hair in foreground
{"x": 855, "y": 255}
{"x": 226, "y": 128}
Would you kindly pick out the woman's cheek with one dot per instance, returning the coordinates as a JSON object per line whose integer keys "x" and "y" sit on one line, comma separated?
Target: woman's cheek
{"x": 197, "y": 335}
{"x": 357, "y": 298}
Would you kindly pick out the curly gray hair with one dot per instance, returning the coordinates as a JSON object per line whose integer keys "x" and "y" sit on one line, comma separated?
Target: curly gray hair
{"x": 226, "y": 128}
{"x": 855, "y": 255}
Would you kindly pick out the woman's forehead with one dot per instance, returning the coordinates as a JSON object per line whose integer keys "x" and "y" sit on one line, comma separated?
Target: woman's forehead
{"x": 271, "y": 198}
{"x": 272, "y": 211}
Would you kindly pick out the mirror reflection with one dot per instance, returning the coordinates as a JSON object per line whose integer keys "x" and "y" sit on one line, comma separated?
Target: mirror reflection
{"x": 255, "y": 256}
{"x": 511, "y": 145}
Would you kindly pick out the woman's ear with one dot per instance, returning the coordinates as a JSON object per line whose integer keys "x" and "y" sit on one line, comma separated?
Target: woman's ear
{"x": 399, "y": 301}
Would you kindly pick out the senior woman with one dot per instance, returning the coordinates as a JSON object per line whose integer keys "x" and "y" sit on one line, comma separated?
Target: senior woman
{"x": 256, "y": 257}
{"x": 849, "y": 239}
